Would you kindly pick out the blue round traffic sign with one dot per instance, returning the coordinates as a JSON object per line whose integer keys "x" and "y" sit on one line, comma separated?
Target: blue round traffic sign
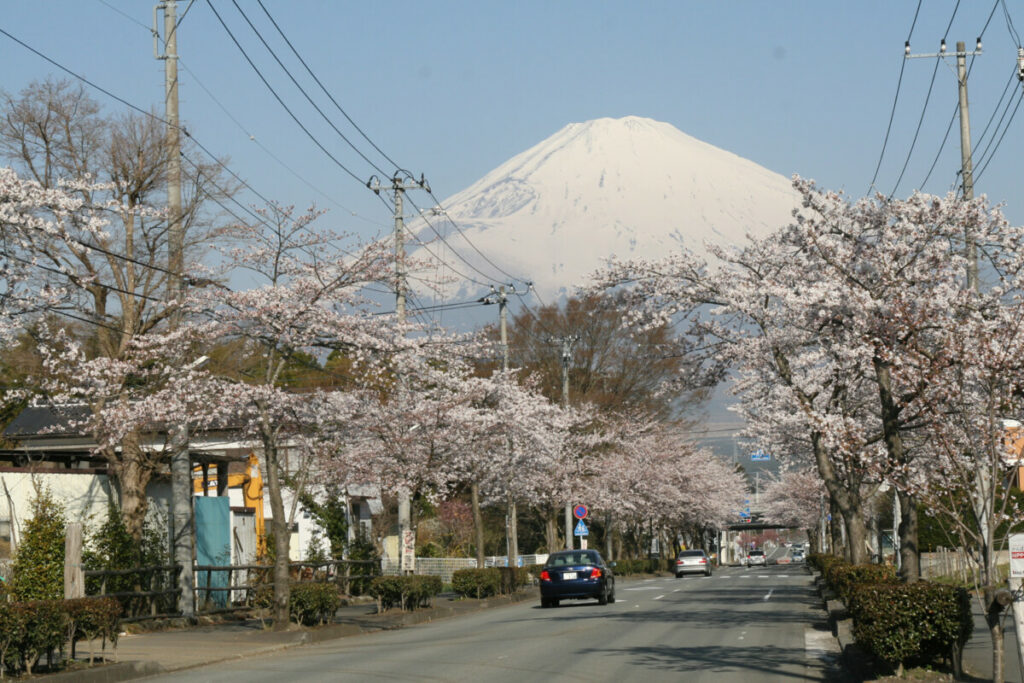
{"x": 580, "y": 511}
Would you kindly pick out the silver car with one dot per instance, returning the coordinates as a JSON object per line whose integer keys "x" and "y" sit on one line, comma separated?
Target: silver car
{"x": 756, "y": 557}
{"x": 693, "y": 562}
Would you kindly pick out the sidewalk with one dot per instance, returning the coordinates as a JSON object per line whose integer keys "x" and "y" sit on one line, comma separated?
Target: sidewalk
{"x": 148, "y": 654}
{"x": 978, "y": 651}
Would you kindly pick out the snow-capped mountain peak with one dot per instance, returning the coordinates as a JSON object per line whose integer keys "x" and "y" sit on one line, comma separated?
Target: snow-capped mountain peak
{"x": 629, "y": 187}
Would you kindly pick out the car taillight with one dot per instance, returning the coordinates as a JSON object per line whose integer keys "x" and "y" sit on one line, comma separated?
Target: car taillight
{"x": 544, "y": 576}
{"x": 595, "y": 573}
{"x": 703, "y": 560}
{"x": 679, "y": 561}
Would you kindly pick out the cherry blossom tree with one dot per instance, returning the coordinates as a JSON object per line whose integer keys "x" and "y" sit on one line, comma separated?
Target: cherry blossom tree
{"x": 794, "y": 498}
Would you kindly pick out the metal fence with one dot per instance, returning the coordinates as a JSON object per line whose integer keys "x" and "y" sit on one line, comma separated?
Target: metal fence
{"x": 446, "y": 566}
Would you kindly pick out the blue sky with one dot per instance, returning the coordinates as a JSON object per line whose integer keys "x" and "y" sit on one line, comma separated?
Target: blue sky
{"x": 453, "y": 89}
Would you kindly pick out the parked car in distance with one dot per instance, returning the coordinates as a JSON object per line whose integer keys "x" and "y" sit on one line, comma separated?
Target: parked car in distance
{"x": 693, "y": 562}
{"x": 798, "y": 556}
{"x": 576, "y": 575}
{"x": 756, "y": 557}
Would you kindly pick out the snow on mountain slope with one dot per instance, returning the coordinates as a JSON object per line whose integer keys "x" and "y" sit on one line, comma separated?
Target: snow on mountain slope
{"x": 630, "y": 187}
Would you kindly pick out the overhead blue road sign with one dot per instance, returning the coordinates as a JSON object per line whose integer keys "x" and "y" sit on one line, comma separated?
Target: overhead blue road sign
{"x": 760, "y": 455}
{"x": 581, "y": 529}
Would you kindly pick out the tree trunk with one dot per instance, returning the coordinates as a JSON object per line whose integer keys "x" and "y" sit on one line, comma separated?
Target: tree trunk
{"x": 513, "y": 532}
{"x": 478, "y": 523}
{"x": 910, "y": 556}
{"x": 856, "y": 538}
{"x": 993, "y": 618}
{"x": 834, "y": 535}
{"x": 132, "y": 472}
{"x": 282, "y": 534}
{"x": 551, "y": 530}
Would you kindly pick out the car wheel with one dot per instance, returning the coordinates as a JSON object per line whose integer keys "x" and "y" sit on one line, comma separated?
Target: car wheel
{"x": 602, "y": 599}
{"x": 553, "y": 602}
{"x": 679, "y": 576}
{"x": 707, "y": 573}
{"x": 611, "y": 596}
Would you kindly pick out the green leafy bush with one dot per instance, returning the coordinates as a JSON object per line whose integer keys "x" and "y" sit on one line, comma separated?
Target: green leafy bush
{"x": 822, "y": 561}
{"x": 38, "y": 569}
{"x": 476, "y": 583}
{"x": 364, "y": 551}
{"x": 843, "y": 577}
{"x": 914, "y": 623}
{"x": 12, "y": 632}
{"x": 93, "y": 618}
{"x": 313, "y": 603}
{"x": 408, "y": 592}
{"x": 42, "y": 629}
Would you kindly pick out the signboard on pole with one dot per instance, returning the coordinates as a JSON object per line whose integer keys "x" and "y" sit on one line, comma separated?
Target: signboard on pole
{"x": 1016, "y": 556}
{"x": 409, "y": 550}
{"x": 581, "y": 529}
{"x": 580, "y": 511}
{"x": 760, "y": 456}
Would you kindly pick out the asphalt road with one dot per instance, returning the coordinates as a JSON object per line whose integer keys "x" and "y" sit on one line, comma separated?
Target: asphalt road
{"x": 737, "y": 625}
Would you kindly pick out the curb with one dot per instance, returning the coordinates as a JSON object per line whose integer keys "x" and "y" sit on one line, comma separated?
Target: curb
{"x": 110, "y": 673}
{"x": 128, "y": 671}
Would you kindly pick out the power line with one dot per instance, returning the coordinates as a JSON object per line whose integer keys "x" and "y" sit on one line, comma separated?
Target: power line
{"x": 1009, "y": 23}
{"x": 917, "y": 131}
{"x": 324, "y": 89}
{"x": 280, "y": 101}
{"x": 895, "y": 99}
{"x": 303, "y": 91}
{"x": 1000, "y": 141}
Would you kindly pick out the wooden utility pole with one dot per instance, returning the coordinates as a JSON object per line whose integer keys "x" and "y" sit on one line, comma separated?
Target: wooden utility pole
{"x": 399, "y": 185}
{"x": 181, "y": 464}
{"x": 567, "y": 343}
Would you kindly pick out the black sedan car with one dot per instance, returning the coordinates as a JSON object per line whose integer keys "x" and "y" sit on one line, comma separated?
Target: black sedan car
{"x": 576, "y": 575}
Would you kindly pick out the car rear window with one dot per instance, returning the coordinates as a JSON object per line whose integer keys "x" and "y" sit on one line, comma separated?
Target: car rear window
{"x": 692, "y": 553}
{"x": 757, "y": 552}
{"x": 565, "y": 559}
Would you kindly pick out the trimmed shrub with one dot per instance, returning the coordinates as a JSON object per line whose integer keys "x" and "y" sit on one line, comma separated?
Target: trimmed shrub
{"x": 913, "y": 623}
{"x": 42, "y": 630}
{"x": 92, "y": 618}
{"x": 12, "y": 632}
{"x": 476, "y": 583}
{"x": 408, "y": 592}
{"x": 313, "y": 603}
{"x": 822, "y": 561}
{"x": 843, "y": 577}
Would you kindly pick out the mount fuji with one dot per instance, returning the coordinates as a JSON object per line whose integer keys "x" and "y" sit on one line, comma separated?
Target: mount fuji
{"x": 630, "y": 187}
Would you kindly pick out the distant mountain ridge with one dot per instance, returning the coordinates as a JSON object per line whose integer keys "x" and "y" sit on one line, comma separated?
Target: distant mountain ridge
{"x": 630, "y": 187}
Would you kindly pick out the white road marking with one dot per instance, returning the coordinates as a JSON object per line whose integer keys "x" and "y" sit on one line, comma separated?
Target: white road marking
{"x": 769, "y": 595}
{"x": 677, "y": 590}
{"x": 658, "y": 598}
{"x": 643, "y": 588}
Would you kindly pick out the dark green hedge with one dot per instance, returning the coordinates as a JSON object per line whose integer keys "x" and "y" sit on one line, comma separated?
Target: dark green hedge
{"x": 477, "y": 583}
{"x": 822, "y": 561}
{"x": 911, "y": 623}
{"x": 313, "y": 603}
{"x": 407, "y": 592}
{"x": 91, "y": 619}
{"x": 33, "y": 629}
{"x": 843, "y": 577}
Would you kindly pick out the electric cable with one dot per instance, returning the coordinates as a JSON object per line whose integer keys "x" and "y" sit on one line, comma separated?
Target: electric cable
{"x": 981, "y": 170}
{"x": 895, "y": 99}
{"x": 303, "y": 91}
{"x": 326, "y": 92}
{"x": 280, "y": 101}
{"x": 917, "y": 131}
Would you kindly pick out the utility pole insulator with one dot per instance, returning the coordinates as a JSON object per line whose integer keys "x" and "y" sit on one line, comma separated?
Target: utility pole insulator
{"x": 1020, "y": 64}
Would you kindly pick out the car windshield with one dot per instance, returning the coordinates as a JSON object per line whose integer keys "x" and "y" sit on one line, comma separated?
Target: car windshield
{"x": 692, "y": 553}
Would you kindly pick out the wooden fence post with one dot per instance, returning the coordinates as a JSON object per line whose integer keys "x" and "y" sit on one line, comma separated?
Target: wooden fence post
{"x": 74, "y": 580}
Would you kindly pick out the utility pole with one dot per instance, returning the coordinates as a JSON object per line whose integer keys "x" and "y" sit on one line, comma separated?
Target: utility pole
{"x": 181, "y": 462}
{"x": 400, "y": 183}
{"x": 500, "y": 297}
{"x": 567, "y": 344}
